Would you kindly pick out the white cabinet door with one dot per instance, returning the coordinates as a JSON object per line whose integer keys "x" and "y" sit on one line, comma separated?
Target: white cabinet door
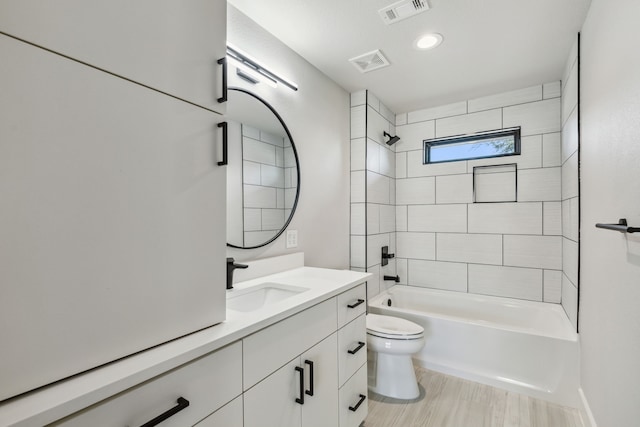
{"x": 272, "y": 402}
{"x": 302, "y": 393}
{"x": 169, "y": 45}
{"x": 112, "y": 218}
{"x": 321, "y": 366}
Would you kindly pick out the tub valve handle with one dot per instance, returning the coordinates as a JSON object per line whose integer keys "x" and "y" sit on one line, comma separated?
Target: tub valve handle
{"x": 394, "y": 278}
{"x": 386, "y": 255}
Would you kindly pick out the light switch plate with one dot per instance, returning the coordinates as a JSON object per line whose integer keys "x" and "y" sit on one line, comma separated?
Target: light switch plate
{"x": 292, "y": 239}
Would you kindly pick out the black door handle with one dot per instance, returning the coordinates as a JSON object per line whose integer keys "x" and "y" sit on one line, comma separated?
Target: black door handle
{"x": 310, "y": 391}
{"x": 223, "y": 98}
{"x": 182, "y": 403}
{"x": 300, "y": 399}
{"x": 225, "y": 143}
{"x": 355, "y": 408}
{"x": 357, "y": 349}
{"x": 355, "y": 304}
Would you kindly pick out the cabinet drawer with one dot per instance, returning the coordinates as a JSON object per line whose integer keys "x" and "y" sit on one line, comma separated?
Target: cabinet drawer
{"x": 207, "y": 383}
{"x": 352, "y": 338}
{"x": 269, "y": 349}
{"x": 352, "y": 414}
{"x": 350, "y": 305}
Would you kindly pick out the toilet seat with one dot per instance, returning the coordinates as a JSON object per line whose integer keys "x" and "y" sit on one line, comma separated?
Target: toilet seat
{"x": 393, "y": 327}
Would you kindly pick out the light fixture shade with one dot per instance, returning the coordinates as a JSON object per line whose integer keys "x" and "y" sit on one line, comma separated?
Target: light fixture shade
{"x": 428, "y": 41}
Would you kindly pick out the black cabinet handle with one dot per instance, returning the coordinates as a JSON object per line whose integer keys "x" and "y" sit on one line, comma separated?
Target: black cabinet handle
{"x": 225, "y": 143}
{"x": 355, "y": 304}
{"x": 300, "y": 399}
{"x": 310, "y": 391}
{"x": 355, "y": 408}
{"x": 357, "y": 349}
{"x": 223, "y": 62}
{"x": 182, "y": 403}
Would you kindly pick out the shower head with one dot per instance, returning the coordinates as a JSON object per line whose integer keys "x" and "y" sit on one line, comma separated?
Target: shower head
{"x": 392, "y": 139}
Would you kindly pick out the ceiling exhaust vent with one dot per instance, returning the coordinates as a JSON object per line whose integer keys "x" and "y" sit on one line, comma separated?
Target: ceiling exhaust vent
{"x": 370, "y": 61}
{"x": 402, "y": 10}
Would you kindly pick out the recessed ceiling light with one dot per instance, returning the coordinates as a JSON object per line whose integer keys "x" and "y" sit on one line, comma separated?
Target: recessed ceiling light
{"x": 427, "y": 41}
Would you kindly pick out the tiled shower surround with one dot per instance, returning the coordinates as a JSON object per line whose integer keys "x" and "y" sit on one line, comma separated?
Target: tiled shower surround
{"x": 426, "y": 213}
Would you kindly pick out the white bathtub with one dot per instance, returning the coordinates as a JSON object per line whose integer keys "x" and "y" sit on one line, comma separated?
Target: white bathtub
{"x": 523, "y": 346}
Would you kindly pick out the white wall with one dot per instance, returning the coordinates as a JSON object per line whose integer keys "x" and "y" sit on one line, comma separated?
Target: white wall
{"x": 610, "y": 189}
{"x": 317, "y": 116}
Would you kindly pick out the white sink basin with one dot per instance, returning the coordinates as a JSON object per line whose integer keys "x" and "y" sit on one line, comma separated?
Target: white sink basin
{"x": 259, "y": 296}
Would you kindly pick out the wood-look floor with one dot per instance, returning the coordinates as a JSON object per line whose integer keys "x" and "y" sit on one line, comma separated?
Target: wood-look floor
{"x": 447, "y": 401}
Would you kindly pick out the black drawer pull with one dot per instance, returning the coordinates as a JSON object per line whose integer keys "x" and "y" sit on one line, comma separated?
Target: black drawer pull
{"x": 224, "y": 97}
{"x": 182, "y": 403}
{"x": 355, "y": 408}
{"x": 300, "y": 399}
{"x": 355, "y": 304}
{"x": 310, "y": 391}
{"x": 357, "y": 349}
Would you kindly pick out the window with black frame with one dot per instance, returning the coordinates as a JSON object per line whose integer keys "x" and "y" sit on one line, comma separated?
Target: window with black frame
{"x": 482, "y": 145}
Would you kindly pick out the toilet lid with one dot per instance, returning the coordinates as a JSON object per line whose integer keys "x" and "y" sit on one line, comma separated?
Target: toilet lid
{"x": 393, "y": 326}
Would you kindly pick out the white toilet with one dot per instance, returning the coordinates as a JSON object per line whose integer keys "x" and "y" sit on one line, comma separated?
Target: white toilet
{"x": 393, "y": 340}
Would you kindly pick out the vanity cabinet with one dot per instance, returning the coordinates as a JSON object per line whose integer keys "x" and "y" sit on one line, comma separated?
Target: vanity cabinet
{"x": 112, "y": 238}
{"x": 206, "y": 383}
{"x": 308, "y": 353}
{"x": 168, "y": 45}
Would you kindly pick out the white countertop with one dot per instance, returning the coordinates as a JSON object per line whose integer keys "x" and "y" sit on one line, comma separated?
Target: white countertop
{"x": 56, "y": 401}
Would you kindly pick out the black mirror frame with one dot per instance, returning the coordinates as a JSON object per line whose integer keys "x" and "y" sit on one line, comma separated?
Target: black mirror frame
{"x": 295, "y": 155}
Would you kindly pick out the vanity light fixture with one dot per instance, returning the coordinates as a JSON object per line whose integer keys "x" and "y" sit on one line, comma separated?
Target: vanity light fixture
{"x": 254, "y": 66}
{"x": 248, "y": 74}
{"x": 428, "y": 41}
{"x": 392, "y": 139}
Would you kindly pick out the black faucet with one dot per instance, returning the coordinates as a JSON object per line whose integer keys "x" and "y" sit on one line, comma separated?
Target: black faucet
{"x": 231, "y": 265}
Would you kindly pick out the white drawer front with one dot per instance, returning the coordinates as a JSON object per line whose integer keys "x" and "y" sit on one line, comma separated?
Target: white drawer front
{"x": 207, "y": 383}
{"x": 350, "y": 305}
{"x": 350, "y": 395}
{"x": 352, "y": 338}
{"x": 269, "y": 349}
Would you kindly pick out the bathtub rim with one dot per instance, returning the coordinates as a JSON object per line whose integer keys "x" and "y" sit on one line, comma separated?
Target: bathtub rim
{"x": 567, "y": 334}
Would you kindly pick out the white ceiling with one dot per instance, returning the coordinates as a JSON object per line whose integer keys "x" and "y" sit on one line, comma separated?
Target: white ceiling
{"x": 490, "y": 46}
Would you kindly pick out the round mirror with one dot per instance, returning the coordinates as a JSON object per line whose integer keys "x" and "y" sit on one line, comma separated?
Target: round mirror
{"x": 263, "y": 179}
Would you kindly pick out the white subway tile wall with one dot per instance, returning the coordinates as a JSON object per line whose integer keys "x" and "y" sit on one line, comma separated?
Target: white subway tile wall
{"x": 269, "y": 183}
{"x": 373, "y": 189}
{"x": 426, "y": 213}
{"x": 502, "y": 249}
{"x": 469, "y": 248}
{"x": 454, "y": 189}
{"x": 515, "y": 97}
{"x": 523, "y": 283}
{"x": 450, "y": 276}
{"x": 552, "y": 291}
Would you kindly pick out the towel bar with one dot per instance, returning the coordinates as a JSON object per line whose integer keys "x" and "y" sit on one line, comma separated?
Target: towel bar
{"x": 621, "y": 226}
